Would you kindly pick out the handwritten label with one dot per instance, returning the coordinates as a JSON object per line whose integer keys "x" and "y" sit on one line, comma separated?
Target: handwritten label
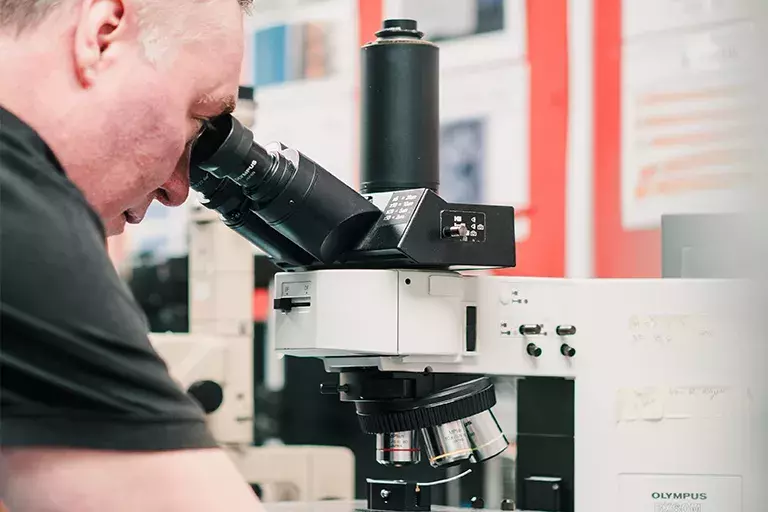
{"x": 700, "y": 402}
{"x": 677, "y": 403}
{"x": 670, "y": 328}
{"x": 641, "y": 404}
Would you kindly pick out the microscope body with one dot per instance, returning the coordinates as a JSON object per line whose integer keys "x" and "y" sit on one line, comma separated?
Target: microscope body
{"x": 658, "y": 412}
{"x": 411, "y": 319}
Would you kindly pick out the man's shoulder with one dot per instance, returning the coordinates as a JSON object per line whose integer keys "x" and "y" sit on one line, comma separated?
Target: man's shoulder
{"x": 35, "y": 187}
{"x": 18, "y": 139}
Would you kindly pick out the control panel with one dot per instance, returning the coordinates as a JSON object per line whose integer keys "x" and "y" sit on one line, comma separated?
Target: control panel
{"x": 466, "y": 226}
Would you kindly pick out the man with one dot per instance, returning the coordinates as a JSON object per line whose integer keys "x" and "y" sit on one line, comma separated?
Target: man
{"x": 100, "y": 102}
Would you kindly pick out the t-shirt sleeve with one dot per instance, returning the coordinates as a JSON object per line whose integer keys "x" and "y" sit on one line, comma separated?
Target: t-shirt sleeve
{"x": 76, "y": 365}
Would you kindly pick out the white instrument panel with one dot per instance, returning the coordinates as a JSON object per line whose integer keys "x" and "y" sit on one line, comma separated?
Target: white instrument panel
{"x": 670, "y": 401}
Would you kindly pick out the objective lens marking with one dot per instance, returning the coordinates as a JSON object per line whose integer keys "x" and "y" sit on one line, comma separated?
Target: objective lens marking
{"x": 457, "y": 452}
{"x": 500, "y": 436}
{"x": 460, "y": 452}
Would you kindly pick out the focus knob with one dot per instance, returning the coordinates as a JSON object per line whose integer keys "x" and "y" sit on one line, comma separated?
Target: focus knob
{"x": 208, "y": 394}
{"x": 533, "y": 350}
{"x": 329, "y": 388}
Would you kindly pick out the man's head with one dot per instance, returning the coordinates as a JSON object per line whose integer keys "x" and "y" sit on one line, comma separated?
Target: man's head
{"x": 120, "y": 88}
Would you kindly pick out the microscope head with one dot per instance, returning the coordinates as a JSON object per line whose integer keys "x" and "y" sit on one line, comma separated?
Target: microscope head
{"x": 305, "y": 218}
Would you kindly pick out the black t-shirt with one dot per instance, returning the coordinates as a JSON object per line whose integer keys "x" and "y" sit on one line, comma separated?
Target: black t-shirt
{"x": 76, "y": 366}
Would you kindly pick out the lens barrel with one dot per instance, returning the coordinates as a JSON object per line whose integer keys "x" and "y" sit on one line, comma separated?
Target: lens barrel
{"x": 227, "y": 198}
{"x": 290, "y": 192}
{"x": 398, "y": 449}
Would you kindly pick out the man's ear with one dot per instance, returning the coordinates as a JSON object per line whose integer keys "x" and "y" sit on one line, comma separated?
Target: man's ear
{"x": 101, "y": 23}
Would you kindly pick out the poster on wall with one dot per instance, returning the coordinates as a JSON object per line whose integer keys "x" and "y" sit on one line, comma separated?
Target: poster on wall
{"x": 462, "y": 161}
{"x": 644, "y": 17}
{"x": 685, "y": 129}
{"x": 670, "y": 121}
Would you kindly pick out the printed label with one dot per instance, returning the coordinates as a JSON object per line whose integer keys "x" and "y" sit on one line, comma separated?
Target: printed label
{"x": 683, "y": 493}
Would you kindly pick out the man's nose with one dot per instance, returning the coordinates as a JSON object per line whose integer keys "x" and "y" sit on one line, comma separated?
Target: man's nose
{"x": 176, "y": 190}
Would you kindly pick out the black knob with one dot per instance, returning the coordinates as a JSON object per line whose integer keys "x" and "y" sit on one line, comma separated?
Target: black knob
{"x": 565, "y": 330}
{"x": 477, "y": 502}
{"x": 533, "y": 350}
{"x": 396, "y": 27}
{"x": 328, "y": 388}
{"x": 567, "y": 350}
{"x": 208, "y": 394}
{"x": 507, "y": 505}
{"x": 405, "y": 24}
{"x": 530, "y": 329}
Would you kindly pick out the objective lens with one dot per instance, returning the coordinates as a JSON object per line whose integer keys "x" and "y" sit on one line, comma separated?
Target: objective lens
{"x": 477, "y": 438}
{"x": 398, "y": 448}
{"x": 485, "y": 436}
{"x": 293, "y": 194}
{"x": 447, "y": 444}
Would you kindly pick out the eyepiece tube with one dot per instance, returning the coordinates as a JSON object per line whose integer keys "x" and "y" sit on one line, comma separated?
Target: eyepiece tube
{"x": 227, "y": 150}
{"x": 226, "y": 198}
{"x": 291, "y": 193}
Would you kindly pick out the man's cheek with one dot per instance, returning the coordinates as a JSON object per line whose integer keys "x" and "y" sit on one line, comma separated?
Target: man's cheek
{"x": 167, "y": 152}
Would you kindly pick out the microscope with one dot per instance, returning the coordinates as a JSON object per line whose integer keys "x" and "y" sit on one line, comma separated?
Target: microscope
{"x": 393, "y": 288}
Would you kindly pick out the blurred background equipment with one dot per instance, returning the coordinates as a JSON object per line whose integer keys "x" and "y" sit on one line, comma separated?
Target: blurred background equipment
{"x": 215, "y": 363}
{"x": 704, "y": 246}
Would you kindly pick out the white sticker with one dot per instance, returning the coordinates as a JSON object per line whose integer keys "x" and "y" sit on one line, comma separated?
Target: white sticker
{"x": 299, "y": 289}
{"x": 683, "y": 493}
{"x": 678, "y": 403}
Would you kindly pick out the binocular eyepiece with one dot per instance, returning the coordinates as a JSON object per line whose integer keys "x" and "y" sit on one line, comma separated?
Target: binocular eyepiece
{"x": 277, "y": 197}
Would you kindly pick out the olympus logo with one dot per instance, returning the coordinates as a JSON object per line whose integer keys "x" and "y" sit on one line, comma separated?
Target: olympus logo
{"x": 679, "y": 495}
{"x": 246, "y": 171}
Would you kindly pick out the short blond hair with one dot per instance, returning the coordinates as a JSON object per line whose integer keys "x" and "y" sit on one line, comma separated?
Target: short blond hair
{"x": 20, "y": 15}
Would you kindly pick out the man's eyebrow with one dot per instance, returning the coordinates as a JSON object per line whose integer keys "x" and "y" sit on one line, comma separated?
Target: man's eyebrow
{"x": 218, "y": 106}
